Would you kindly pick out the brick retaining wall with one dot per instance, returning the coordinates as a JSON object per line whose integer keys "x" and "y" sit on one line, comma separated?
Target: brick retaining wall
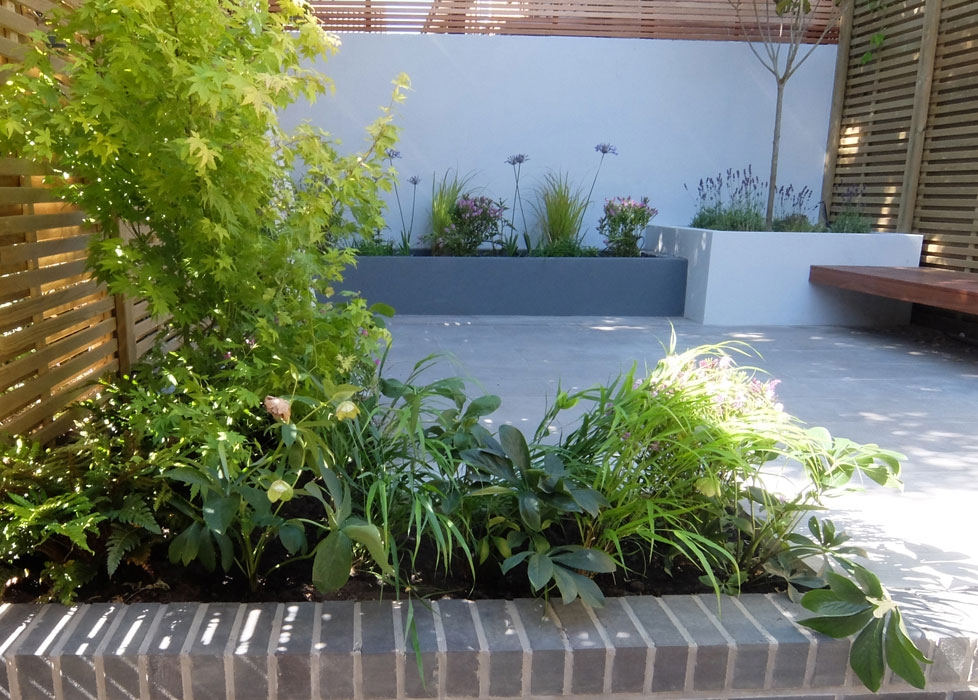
{"x": 669, "y": 648}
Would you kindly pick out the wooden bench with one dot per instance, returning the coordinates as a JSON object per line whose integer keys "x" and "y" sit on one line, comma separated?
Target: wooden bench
{"x": 945, "y": 289}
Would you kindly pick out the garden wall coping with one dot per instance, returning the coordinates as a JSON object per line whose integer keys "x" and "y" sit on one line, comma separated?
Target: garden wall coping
{"x": 669, "y": 648}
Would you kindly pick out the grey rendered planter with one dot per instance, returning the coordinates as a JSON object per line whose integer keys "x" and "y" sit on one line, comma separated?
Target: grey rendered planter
{"x": 638, "y": 647}
{"x": 649, "y": 286}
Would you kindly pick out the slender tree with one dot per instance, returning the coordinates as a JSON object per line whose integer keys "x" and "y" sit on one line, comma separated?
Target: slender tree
{"x": 776, "y": 32}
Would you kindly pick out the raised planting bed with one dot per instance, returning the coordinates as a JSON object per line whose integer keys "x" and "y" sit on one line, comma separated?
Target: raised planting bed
{"x": 761, "y": 277}
{"x": 522, "y": 286}
{"x": 669, "y": 647}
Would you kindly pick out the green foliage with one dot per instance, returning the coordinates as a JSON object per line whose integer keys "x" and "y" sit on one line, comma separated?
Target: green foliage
{"x": 857, "y": 604}
{"x": 623, "y": 223}
{"x": 374, "y": 244}
{"x": 171, "y": 128}
{"x": 567, "y": 248}
{"x": 473, "y": 221}
{"x": 69, "y": 510}
{"x": 560, "y": 208}
{"x": 444, "y": 195}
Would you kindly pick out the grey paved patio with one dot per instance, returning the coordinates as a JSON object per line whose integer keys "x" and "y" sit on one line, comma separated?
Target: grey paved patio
{"x": 893, "y": 388}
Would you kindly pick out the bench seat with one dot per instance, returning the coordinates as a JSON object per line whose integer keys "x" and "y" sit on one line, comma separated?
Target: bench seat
{"x": 931, "y": 286}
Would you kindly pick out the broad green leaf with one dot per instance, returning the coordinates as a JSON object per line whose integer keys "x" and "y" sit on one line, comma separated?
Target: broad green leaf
{"x": 482, "y": 406}
{"x": 494, "y": 464}
{"x": 530, "y": 510}
{"x": 566, "y": 583}
{"x": 289, "y": 433}
{"x": 193, "y": 477}
{"x": 511, "y": 562}
{"x": 839, "y": 627}
{"x": 844, "y": 589}
{"x": 589, "y": 560}
{"x": 381, "y": 309}
{"x": 898, "y": 657}
{"x": 826, "y": 603}
{"x": 866, "y": 655}
{"x": 369, "y": 537}
{"x": 332, "y": 563}
{"x": 183, "y": 548}
{"x": 205, "y": 550}
{"x": 515, "y": 446}
{"x": 869, "y": 581}
{"x": 220, "y": 511}
{"x": 540, "y": 570}
{"x": 226, "y": 548}
{"x": 590, "y": 500}
{"x": 588, "y": 590}
{"x": 293, "y": 536}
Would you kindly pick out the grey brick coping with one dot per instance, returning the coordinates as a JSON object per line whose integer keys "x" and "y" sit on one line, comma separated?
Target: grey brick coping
{"x": 637, "y": 647}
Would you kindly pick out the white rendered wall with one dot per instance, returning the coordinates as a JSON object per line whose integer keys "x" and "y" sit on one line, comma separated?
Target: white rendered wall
{"x": 676, "y": 111}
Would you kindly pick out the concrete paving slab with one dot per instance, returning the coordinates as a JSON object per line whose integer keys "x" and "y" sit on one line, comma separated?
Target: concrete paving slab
{"x": 889, "y": 387}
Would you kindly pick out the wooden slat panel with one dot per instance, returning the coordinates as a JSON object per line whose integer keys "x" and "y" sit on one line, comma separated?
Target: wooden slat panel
{"x": 15, "y": 400}
{"x": 27, "y": 195}
{"x": 39, "y": 222}
{"x": 22, "y": 368}
{"x": 23, "y": 281}
{"x": 13, "y": 254}
{"x": 21, "y": 311}
{"x": 667, "y": 19}
{"x": 16, "y": 22}
{"x": 12, "y": 344}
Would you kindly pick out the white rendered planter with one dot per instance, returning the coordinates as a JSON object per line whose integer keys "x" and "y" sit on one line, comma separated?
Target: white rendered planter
{"x": 739, "y": 278}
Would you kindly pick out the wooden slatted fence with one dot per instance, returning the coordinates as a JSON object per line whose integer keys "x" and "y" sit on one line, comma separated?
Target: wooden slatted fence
{"x": 903, "y": 125}
{"x": 59, "y": 329}
{"x": 644, "y": 19}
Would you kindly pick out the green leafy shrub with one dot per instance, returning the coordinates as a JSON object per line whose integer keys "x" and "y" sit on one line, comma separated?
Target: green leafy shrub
{"x": 622, "y": 224}
{"x": 198, "y": 214}
{"x": 473, "y": 220}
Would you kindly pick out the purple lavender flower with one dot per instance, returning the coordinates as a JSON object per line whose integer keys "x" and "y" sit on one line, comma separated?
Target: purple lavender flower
{"x": 606, "y": 148}
{"x": 517, "y": 159}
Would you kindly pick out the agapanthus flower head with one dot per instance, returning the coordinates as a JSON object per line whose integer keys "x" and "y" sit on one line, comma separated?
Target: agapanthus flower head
{"x": 606, "y": 148}
{"x": 517, "y": 159}
{"x": 391, "y": 153}
{"x": 414, "y": 180}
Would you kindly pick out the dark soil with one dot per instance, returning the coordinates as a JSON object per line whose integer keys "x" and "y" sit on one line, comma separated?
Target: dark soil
{"x": 160, "y": 581}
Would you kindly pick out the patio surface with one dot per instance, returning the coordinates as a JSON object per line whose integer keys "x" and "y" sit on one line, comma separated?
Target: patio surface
{"x": 902, "y": 389}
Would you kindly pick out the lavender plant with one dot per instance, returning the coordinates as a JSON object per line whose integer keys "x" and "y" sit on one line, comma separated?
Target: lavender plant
{"x": 730, "y": 201}
{"x": 791, "y": 208}
{"x": 850, "y": 219}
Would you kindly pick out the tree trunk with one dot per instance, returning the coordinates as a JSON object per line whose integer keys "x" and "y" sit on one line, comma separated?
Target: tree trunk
{"x": 775, "y": 147}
